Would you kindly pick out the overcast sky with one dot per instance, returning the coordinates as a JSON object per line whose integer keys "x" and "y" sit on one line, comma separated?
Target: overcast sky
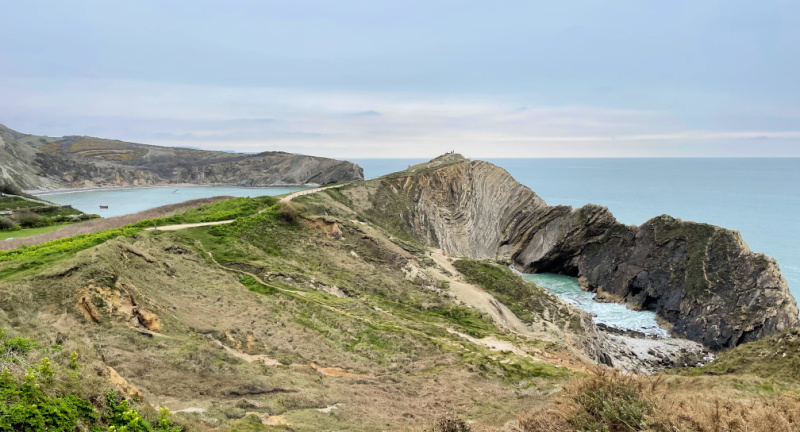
{"x": 410, "y": 78}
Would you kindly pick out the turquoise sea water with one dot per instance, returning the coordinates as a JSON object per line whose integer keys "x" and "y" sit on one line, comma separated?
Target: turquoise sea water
{"x": 759, "y": 197}
{"x": 132, "y": 200}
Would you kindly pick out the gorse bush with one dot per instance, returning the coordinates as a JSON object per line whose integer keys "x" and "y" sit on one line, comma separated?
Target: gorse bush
{"x": 448, "y": 424}
{"x": 613, "y": 402}
{"x": 609, "y": 401}
{"x": 289, "y": 212}
{"x": 7, "y": 224}
{"x": 31, "y": 220}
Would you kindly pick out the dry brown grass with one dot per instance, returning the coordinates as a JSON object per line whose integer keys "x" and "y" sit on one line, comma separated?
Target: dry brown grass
{"x": 609, "y": 401}
{"x": 97, "y": 225}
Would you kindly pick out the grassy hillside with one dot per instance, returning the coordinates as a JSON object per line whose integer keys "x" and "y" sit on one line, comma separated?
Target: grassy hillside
{"x": 313, "y": 316}
{"x": 280, "y": 317}
{"x": 34, "y": 162}
{"x": 775, "y": 358}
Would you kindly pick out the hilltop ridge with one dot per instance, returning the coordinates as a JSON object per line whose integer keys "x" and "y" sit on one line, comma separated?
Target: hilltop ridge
{"x": 36, "y": 162}
{"x": 701, "y": 280}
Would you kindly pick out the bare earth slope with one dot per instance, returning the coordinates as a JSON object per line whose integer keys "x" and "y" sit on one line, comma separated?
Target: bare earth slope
{"x": 701, "y": 279}
{"x": 34, "y": 162}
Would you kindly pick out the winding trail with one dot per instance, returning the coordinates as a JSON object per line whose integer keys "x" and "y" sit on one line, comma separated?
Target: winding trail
{"x": 294, "y": 195}
{"x": 188, "y": 225}
{"x": 476, "y": 297}
{"x": 284, "y": 200}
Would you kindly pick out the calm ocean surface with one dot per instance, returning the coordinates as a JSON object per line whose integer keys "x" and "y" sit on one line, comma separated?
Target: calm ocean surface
{"x": 758, "y": 197}
{"x": 126, "y": 201}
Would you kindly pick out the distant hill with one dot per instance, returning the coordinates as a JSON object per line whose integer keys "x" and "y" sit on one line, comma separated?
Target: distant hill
{"x": 37, "y": 162}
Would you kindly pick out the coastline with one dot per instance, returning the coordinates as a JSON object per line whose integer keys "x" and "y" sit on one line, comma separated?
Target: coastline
{"x": 44, "y": 192}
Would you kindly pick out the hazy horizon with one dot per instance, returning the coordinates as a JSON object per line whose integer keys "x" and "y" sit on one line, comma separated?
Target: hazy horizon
{"x": 411, "y": 79}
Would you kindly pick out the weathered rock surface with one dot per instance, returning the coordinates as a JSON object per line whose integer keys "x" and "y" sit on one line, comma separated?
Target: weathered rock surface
{"x": 271, "y": 169}
{"x": 32, "y": 162}
{"x": 701, "y": 279}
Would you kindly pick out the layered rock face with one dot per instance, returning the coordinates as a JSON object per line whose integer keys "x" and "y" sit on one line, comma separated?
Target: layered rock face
{"x": 271, "y": 169}
{"x": 702, "y": 280}
{"x": 32, "y": 162}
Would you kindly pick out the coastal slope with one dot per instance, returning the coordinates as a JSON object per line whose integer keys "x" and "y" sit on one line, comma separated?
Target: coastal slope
{"x": 37, "y": 162}
{"x": 701, "y": 280}
{"x": 339, "y": 310}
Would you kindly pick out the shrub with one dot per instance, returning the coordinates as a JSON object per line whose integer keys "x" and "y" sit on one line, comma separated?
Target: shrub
{"x": 607, "y": 400}
{"x": 31, "y": 220}
{"x": 611, "y": 401}
{"x": 37, "y": 401}
{"x": 7, "y": 224}
{"x": 11, "y": 189}
{"x": 451, "y": 424}
{"x": 288, "y": 213}
{"x": 19, "y": 345}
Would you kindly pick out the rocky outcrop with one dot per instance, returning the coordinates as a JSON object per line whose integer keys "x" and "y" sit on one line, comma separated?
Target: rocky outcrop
{"x": 32, "y": 162}
{"x": 270, "y": 169}
{"x": 700, "y": 279}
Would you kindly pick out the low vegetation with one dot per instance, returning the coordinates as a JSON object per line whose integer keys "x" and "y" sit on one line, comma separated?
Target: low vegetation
{"x": 609, "y": 401}
{"x": 527, "y": 300}
{"x": 39, "y": 394}
{"x": 20, "y": 213}
{"x": 154, "y": 216}
{"x": 290, "y": 319}
{"x": 775, "y": 358}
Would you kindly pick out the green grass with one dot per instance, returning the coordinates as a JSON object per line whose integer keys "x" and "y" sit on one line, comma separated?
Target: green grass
{"x": 27, "y": 232}
{"x": 43, "y": 397}
{"x": 9, "y": 203}
{"x": 223, "y": 210}
{"x": 696, "y": 236}
{"x": 776, "y": 357}
{"x": 234, "y": 208}
{"x": 527, "y": 300}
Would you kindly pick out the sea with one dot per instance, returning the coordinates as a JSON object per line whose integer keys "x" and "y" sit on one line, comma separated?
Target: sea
{"x": 759, "y": 197}
{"x": 122, "y": 201}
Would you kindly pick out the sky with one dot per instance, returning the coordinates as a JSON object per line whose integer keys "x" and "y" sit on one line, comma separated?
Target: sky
{"x": 358, "y": 78}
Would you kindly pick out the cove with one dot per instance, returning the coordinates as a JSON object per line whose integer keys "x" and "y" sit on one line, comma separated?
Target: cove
{"x": 610, "y": 314}
{"x": 131, "y": 200}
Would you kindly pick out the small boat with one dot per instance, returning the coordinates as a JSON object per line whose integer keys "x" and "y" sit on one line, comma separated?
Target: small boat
{"x": 175, "y": 191}
{"x": 102, "y": 207}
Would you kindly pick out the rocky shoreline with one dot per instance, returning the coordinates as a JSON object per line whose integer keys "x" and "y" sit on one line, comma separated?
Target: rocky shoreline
{"x": 637, "y": 352}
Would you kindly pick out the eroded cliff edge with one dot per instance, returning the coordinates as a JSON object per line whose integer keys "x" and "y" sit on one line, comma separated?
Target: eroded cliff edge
{"x": 700, "y": 279}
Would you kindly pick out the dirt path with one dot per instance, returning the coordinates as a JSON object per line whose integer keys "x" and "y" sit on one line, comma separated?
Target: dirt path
{"x": 477, "y": 297}
{"x": 294, "y": 195}
{"x": 189, "y": 225}
{"x": 285, "y": 199}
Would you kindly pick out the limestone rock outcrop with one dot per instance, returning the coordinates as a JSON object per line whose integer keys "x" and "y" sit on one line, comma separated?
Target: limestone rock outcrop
{"x": 700, "y": 279}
